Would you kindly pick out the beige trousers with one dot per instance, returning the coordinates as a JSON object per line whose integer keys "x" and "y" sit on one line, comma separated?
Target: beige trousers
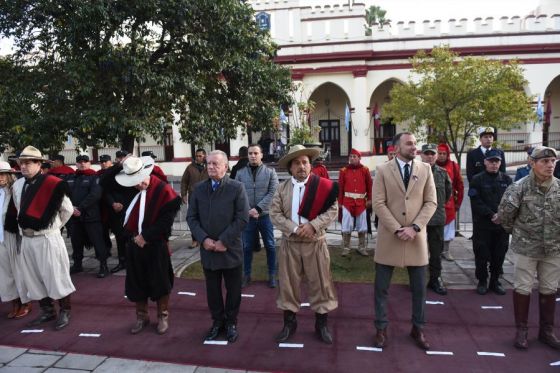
{"x": 310, "y": 260}
{"x": 547, "y": 271}
{"x": 12, "y": 285}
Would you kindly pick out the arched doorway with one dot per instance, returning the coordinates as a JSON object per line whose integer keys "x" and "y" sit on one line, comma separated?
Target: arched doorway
{"x": 551, "y": 118}
{"x": 382, "y": 130}
{"x": 329, "y": 114}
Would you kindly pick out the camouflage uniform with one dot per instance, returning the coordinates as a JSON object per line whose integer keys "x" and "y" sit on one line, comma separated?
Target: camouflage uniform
{"x": 529, "y": 211}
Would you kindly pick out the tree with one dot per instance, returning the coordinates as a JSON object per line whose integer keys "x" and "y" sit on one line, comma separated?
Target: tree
{"x": 450, "y": 98}
{"x": 110, "y": 72}
{"x": 374, "y": 15}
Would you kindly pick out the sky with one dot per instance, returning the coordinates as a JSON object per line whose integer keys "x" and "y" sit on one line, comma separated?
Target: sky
{"x": 420, "y": 10}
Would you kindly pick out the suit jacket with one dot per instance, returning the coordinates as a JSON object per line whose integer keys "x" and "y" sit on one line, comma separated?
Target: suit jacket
{"x": 475, "y": 162}
{"x": 397, "y": 207}
{"x": 220, "y": 215}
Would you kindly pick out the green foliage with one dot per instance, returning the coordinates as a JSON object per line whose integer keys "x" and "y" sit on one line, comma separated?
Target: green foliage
{"x": 447, "y": 98}
{"x": 303, "y": 131}
{"x": 109, "y": 72}
{"x": 374, "y": 15}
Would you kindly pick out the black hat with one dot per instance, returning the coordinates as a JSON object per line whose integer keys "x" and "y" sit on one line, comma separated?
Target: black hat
{"x": 121, "y": 154}
{"x": 82, "y": 158}
{"x": 148, "y": 153}
{"x": 493, "y": 154}
{"x": 58, "y": 157}
{"x": 104, "y": 158}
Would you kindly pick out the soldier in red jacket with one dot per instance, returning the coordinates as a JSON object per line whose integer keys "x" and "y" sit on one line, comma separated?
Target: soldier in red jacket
{"x": 354, "y": 198}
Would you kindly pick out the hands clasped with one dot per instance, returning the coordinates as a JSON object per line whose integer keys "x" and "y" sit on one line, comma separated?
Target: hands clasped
{"x": 211, "y": 245}
{"x": 406, "y": 233}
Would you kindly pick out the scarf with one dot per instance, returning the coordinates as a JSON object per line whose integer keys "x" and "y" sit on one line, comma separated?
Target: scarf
{"x": 41, "y": 202}
{"x": 320, "y": 194}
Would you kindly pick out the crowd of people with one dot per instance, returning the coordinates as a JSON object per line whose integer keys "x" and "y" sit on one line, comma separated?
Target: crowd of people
{"x": 415, "y": 203}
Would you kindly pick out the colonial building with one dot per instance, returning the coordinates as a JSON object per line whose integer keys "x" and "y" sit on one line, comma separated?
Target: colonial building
{"x": 337, "y": 66}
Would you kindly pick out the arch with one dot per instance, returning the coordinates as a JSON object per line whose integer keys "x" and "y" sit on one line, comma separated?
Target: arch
{"x": 551, "y": 109}
{"x": 329, "y": 115}
{"x": 381, "y": 129}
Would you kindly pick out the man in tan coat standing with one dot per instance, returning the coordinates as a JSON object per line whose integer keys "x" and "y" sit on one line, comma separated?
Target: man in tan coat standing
{"x": 302, "y": 209}
{"x": 405, "y": 200}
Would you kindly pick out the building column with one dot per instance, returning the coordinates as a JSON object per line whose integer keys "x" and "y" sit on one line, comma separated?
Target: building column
{"x": 181, "y": 150}
{"x": 240, "y": 140}
{"x": 360, "y": 117}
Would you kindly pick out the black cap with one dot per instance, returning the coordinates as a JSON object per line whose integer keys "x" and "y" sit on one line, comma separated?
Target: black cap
{"x": 493, "y": 154}
{"x": 45, "y": 165}
{"x": 121, "y": 154}
{"x": 82, "y": 158}
{"x": 58, "y": 157}
{"x": 148, "y": 153}
{"x": 104, "y": 158}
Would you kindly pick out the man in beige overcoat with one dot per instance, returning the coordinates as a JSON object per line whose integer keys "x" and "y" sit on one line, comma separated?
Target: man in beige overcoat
{"x": 404, "y": 200}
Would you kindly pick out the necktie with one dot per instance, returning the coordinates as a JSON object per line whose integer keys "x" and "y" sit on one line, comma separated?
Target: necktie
{"x": 215, "y": 186}
{"x": 406, "y": 176}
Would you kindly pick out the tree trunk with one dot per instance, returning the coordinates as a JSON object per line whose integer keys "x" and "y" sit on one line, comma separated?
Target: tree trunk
{"x": 127, "y": 143}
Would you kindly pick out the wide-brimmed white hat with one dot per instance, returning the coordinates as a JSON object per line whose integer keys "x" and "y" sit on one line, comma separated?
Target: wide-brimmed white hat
{"x": 297, "y": 150}
{"x": 6, "y": 168}
{"x": 31, "y": 153}
{"x": 134, "y": 171}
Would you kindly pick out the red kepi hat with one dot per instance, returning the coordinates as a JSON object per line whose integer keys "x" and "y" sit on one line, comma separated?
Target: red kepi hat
{"x": 355, "y": 152}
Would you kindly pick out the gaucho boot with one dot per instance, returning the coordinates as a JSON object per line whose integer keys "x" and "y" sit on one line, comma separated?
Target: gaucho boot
{"x": 290, "y": 326}
{"x": 47, "y": 312}
{"x": 521, "y": 311}
{"x": 64, "y": 313}
{"x": 547, "y": 304}
{"x": 321, "y": 328}
{"x": 346, "y": 244}
{"x": 142, "y": 317}
{"x": 163, "y": 314}
{"x": 362, "y": 244}
{"x": 16, "y": 304}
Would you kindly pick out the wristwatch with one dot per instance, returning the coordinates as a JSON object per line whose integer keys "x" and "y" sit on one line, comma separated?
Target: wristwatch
{"x": 416, "y": 228}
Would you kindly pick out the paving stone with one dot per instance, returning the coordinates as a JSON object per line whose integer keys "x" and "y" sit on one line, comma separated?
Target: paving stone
{"x": 45, "y": 352}
{"x": 80, "y": 361}
{"x": 9, "y": 369}
{"x": 217, "y": 370}
{"x": 112, "y": 365}
{"x": 59, "y": 370}
{"x": 34, "y": 360}
{"x": 8, "y": 354}
{"x": 456, "y": 279}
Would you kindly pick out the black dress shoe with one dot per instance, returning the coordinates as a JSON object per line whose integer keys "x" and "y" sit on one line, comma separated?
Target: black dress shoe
{"x": 63, "y": 319}
{"x": 214, "y": 332}
{"x": 497, "y": 288}
{"x": 76, "y": 268}
{"x": 436, "y": 285}
{"x": 42, "y": 318}
{"x": 103, "y": 271}
{"x": 231, "y": 333}
{"x": 482, "y": 288}
{"x": 245, "y": 282}
{"x": 118, "y": 268}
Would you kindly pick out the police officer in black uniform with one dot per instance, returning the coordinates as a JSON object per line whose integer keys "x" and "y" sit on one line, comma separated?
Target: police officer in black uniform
{"x": 490, "y": 241}
{"x": 86, "y": 220}
{"x": 475, "y": 158}
{"x": 117, "y": 198}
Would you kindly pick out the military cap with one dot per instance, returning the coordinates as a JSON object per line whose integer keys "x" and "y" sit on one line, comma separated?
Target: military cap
{"x": 82, "y": 158}
{"x": 493, "y": 154}
{"x": 486, "y": 131}
{"x": 543, "y": 152}
{"x": 121, "y": 154}
{"x": 58, "y": 157}
{"x": 429, "y": 148}
{"x": 104, "y": 158}
{"x": 148, "y": 153}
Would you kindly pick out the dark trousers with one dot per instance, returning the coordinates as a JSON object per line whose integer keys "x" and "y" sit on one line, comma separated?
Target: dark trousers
{"x": 490, "y": 247}
{"x": 417, "y": 276}
{"x": 435, "y": 246}
{"x": 116, "y": 225}
{"x": 83, "y": 234}
{"x": 224, "y": 313}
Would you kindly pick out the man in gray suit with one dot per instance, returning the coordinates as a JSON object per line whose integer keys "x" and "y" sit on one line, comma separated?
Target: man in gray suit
{"x": 218, "y": 212}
